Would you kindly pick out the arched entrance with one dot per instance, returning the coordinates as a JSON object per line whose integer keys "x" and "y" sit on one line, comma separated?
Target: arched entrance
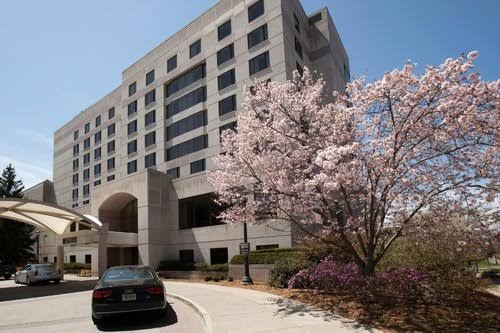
{"x": 119, "y": 211}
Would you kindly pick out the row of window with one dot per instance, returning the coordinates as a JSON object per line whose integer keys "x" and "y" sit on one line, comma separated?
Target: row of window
{"x": 150, "y": 78}
{"x": 97, "y": 139}
{"x": 98, "y": 121}
{"x": 149, "y": 161}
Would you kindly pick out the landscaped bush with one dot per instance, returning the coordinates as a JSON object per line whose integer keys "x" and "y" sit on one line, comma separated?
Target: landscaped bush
{"x": 268, "y": 256}
{"x": 285, "y": 268}
{"x": 76, "y": 266}
{"x": 176, "y": 265}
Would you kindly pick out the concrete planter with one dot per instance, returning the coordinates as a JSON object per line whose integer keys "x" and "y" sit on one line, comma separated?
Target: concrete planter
{"x": 258, "y": 272}
{"x": 189, "y": 275}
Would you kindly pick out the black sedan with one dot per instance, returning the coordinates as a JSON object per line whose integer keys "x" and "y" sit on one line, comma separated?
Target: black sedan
{"x": 124, "y": 289}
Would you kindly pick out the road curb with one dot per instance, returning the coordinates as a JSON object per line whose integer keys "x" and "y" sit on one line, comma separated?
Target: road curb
{"x": 207, "y": 320}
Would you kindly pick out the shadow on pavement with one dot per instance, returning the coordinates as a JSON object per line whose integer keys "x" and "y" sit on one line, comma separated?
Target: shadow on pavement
{"x": 45, "y": 289}
{"x": 287, "y": 307}
{"x": 139, "y": 321}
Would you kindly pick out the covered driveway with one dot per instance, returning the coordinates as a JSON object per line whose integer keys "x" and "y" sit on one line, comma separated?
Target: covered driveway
{"x": 55, "y": 219}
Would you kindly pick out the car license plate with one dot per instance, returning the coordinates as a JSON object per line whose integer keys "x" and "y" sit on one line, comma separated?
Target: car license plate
{"x": 128, "y": 297}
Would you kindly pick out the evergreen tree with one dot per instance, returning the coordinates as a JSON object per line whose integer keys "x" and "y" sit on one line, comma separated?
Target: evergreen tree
{"x": 15, "y": 237}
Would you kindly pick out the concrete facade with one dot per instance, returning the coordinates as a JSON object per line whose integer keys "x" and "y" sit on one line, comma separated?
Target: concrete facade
{"x": 150, "y": 195}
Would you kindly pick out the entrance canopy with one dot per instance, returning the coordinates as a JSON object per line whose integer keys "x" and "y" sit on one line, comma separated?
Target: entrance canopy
{"x": 44, "y": 215}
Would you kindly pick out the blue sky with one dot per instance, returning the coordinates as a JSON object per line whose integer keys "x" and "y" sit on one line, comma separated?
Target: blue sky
{"x": 57, "y": 57}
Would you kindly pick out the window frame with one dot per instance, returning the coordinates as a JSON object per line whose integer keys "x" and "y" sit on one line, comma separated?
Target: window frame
{"x": 223, "y": 31}
{"x": 194, "y": 47}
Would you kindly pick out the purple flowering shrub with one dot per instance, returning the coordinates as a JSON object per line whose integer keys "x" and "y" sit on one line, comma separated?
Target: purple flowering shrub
{"x": 330, "y": 276}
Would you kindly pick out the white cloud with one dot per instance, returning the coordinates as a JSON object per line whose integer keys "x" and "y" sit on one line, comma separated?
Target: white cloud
{"x": 29, "y": 173}
{"x": 33, "y": 136}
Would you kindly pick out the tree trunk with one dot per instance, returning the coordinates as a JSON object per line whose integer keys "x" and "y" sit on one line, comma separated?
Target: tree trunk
{"x": 368, "y": 268}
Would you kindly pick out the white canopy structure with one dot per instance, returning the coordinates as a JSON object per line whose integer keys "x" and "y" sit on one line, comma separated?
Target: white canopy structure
{"x": 43, "y": 215}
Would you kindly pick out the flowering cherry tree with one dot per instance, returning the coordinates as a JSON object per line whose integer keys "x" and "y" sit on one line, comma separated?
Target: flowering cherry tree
{"x": 365, "y": 165}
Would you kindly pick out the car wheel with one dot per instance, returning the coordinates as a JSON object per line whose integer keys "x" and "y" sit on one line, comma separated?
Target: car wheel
{"x": 28, "y": 281}
{"x": 57, "y": 281}
{"x": 97, "y": 320}
{"x": 7, "y": 276}
{"x": 15, "y": 279}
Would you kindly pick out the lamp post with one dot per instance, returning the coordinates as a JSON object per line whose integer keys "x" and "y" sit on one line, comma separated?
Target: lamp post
{"x": 37, "y": 246}
{"x": 246, "y": 279}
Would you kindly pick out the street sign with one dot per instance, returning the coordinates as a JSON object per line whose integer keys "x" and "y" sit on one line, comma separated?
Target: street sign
{"x": 245, "y": 249}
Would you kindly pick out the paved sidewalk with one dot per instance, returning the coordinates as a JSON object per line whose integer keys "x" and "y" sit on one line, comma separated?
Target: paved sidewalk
{"x": 243, "y": 310}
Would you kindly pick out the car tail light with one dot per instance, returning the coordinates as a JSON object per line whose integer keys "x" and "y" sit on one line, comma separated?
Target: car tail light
{"x": 154, "y": 290}
{"x": 36, "y": 272}
{"x": 98, "y": 294}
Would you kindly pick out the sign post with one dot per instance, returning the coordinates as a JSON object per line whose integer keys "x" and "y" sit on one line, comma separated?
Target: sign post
{"x": 245, "y": 251}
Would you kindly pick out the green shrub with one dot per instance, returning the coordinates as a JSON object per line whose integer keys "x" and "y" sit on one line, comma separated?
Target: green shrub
{"x": 208, "y": 278}
{"x": 216, "y": 278}
{"x": 230, "y": 279}
{"x": 256, "y": 257}
{"x": 285, "y": 268}
{"x": 203, "y": 267}
{"x": 76, "y": 266}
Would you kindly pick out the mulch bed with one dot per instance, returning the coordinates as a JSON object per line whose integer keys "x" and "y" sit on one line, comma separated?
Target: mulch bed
{"x": 479, "y": 312}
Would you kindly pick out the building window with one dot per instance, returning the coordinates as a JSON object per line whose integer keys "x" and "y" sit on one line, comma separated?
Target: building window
{"x": 149, "y": 139}
{"x": 75, "y": 179}
{"x": 88, "y": 258}
{"x": 75, "y": 164}
{"x": 296, "y": 23}
{"x": 97, "y": 137}
{"x": 110, "y": 178}
{"x": 86, "y": 190}
{"x": 298, "y": 48}
{"x": 87, "y": 128}
{"x": 198, "y": 166}
{"x": 187, "y": 147}
{"x": 226, "y": 79}
{"x": 257, "y": 36}
{"x": 199, "y": 211}
{"x": 97, "y": 169}
{"x": 255, "y": 10}
{"x": 225, "y": 54}
{"x": 98, "y": 121}
{"x": 132, "y": 127}
{"x": 150, "y": 77}
{"x": 150, "y": 160}
{"x": 97, "y": 153}
{"x": 186, "y": 79}
{"x": 97, "y": 183}
{"x": 86, "y": 175}
{"x": 218, "y": 255}
{"x": 187, "y": 124}
{"x": 227, "y": 105}
{"x": 224, "y": 30}
{"x": 111, "y": 113}
{"x": 195, "y": 48}
{"x": 132, "y": 167}
{"x": 186, "y": 256}
{"x": 75, "y": 194}
{"x": 76, "y": 149}
{"x": 111, "y": 146}
{"x": 231, "y": 126}
{"x": 111, "y": 130}
{"x": 258, "y": 63}
{"x": 132, "y": 89}
{"x": 150, "y": 97}
{"x": 86, "y": 159}
{"x": 72, "y": 258}
{"x": 267, "y": 247}
{"x": 75, "y": 135}
{"x": 132, "y": 108}
{"x": 131, "y": 147}
{"x": 174, "y": 172}
{"x": 86, "y": 143}
{"x": 185, "y": 102}
{"x": 172, "y": 63}
{"x": 111, "y": 163}
{"x": 150, "y": 118}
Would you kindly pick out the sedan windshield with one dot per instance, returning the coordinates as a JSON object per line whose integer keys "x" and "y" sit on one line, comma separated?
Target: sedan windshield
{"x": 127, "y": 274}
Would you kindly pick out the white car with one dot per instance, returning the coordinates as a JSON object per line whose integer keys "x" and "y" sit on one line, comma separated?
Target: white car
{"x": 36, "y": 273}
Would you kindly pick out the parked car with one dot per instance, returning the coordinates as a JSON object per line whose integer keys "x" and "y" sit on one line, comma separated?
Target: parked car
{"x": 7, "y": 270}
{"x": 33, "y": 273}
{"x": 124, "y": 289}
